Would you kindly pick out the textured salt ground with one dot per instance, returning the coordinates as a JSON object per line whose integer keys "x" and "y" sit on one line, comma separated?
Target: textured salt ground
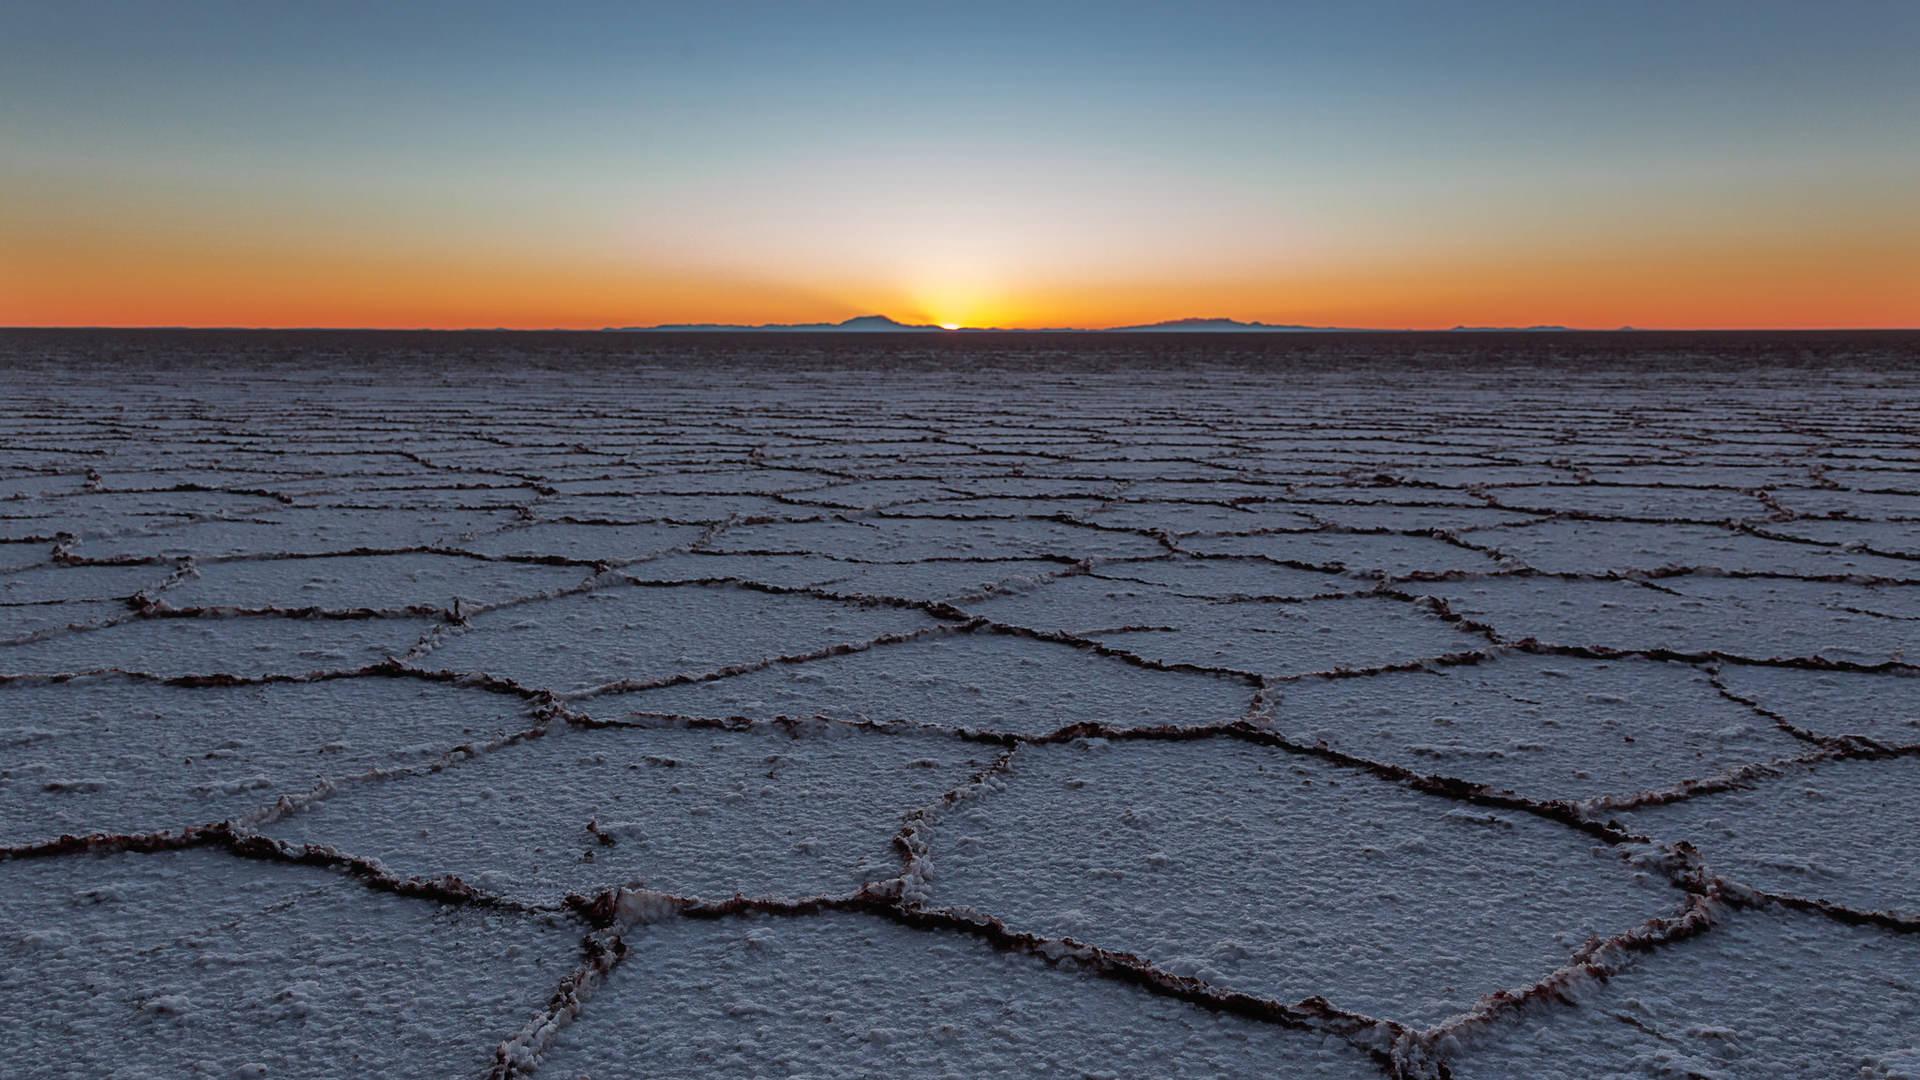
{"x": 368, "y": 581}
{"x": 1843, "y": 831}
{"x": 244, "y": 646}
{"x": 697, "y": 812}
{"x": 110, "y": 754}
{"x": 981, "y": 681}
{"x": 1284, "y": 876}
{"x": 1546, "y": 727}
{"x": 200, "y": 963}
{"x": 532, "y": 455}
{"x": 847, "y": 995}
{"x": 1763, "y": 993}
{"x": 635, "y": 632}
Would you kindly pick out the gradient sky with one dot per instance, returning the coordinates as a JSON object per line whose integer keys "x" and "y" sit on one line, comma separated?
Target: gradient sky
{"x": 1031, "y": 164}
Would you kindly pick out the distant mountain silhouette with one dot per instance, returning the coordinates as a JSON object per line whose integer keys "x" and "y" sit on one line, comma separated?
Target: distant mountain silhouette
{"x": 857, "y": 324}
{"x": 1235, "y": 326}
{"x": 883, "y": 324}
{"x": 1514, "y": 329}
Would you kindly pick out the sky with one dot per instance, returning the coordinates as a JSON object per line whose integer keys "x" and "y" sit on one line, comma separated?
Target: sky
{"x": 1673, "y": 164}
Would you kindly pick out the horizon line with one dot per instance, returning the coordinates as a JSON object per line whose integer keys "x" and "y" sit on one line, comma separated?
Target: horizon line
{"x": 1166, "y": 327}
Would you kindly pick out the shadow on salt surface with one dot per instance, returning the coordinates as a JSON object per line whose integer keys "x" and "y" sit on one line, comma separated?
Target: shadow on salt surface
{"x": 644, "y": 632}
{"x": 1739, "y": 617}
{"x": 1844, "y": 831}
{"x": 1275, "y": 639}
{"x": 1284, "y": 876}
{"x": 1546, "y": 727}
{"x": 1764, "y": 993}
{"x": 113, "y": 754}
{"x": 201, "y": 963}
{"x": 983, "y": 681}
{"x": 246, "y": 646}
{"x": 836, "y": 995}
{"x": 1884, "y": 707}
{"x": 694, "y": 812}
{"x": 367, "y": 581}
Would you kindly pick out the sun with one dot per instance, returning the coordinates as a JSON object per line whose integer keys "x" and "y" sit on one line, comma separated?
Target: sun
{"x": 949, "y": 326}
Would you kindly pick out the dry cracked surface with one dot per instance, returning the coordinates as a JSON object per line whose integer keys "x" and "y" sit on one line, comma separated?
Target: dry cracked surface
{"x": 443, "y": 707}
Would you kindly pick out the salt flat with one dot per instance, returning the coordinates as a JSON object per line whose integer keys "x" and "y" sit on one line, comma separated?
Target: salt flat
{"x": 607, "y": 705}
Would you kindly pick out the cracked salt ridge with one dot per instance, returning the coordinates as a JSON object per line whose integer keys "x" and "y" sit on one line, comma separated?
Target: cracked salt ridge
{"x": 1882, "y": 707}
{"x": 1189, "y": 517}
{"x": 1765, "y": 992}
{"x": 1389, "y": 515}
{"x": 980, "y": 681}
{"x": 917, "y": 538}
{"x": 950, "y": 580}
{"x": 1284, "y": 876}
{"x": 1752, "y": 618}
{"x": 1624, "y": 501}
{"x": 1359, "y": 552}
{"x": 611, "y": 543}
{"x": 54, "y": 583}
{"x": 113, "y": 754}
{"x": 1273, "y": 639}
{"x": 367, "y": 581}
{"x": 1222, "y": 579}
{"x": 196, "y": 962}
{"x": 1570, "y": 546}
{"x": 629, "y": 635}
{"x": 715, "y": 997}
{"x": 1545, "y": 727}
{"x": 688, "y": 810}
{"x": 1844, "y": 832}
{"x": 243, "y": 645}
{"x": 1893, "y": 538}
{"x": 299, "y": 530}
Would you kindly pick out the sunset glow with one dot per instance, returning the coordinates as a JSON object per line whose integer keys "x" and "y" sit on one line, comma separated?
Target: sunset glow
{"x": 1413, "y": 168}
